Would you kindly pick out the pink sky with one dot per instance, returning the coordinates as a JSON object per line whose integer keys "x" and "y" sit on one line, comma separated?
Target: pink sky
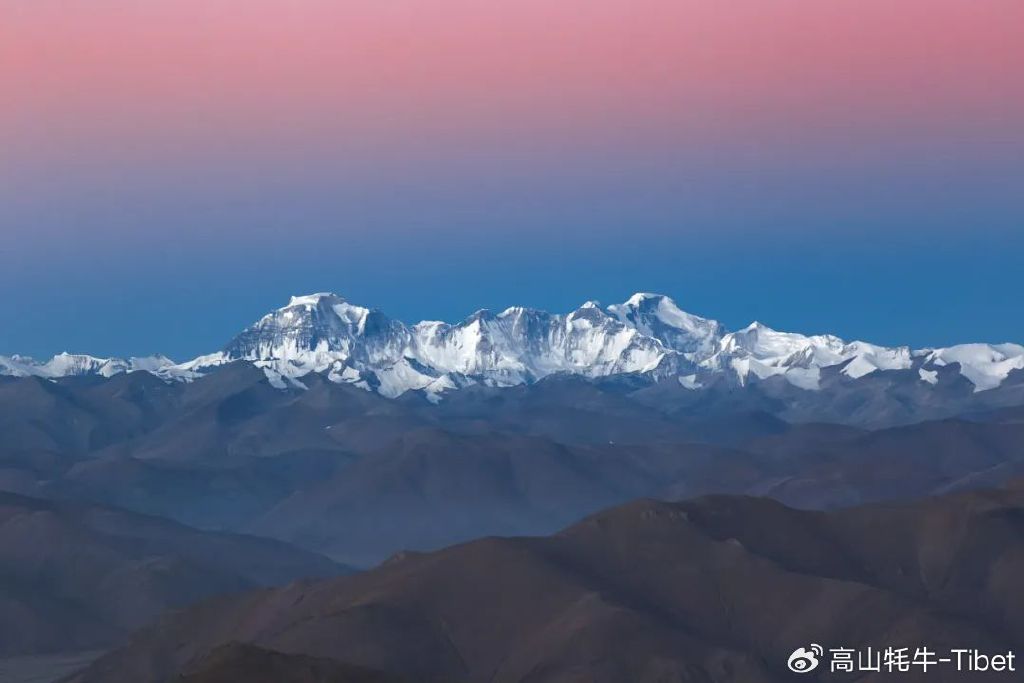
{"x": 171, "y": 76}
{"x": 581, "y": 148}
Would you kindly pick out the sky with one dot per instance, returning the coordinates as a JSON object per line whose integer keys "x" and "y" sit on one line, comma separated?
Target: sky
{"x": 171, "y": 170}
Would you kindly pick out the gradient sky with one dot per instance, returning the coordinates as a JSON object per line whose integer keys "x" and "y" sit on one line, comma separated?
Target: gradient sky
{"x": 171, "y": 169}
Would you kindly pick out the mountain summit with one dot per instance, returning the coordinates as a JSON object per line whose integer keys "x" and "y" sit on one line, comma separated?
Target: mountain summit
{"x": 325, "y": 333}
{"x": 648, "y": 337}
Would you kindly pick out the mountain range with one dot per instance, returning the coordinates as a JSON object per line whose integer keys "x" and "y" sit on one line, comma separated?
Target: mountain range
{"x": 339, "y": 435}
{"x": 719, "y": 589}
{"x": 644, "y": 340}
{"x": 358, "y": 476}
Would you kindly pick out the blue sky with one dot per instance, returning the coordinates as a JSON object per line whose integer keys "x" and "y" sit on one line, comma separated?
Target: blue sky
{"x": 171, "y": 171}
{"x": 886, "y": 287}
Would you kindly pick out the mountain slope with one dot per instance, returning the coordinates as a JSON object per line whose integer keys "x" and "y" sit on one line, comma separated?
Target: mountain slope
{"x": 430, "y": 488}
{"x": 716, "y": 589}
{"x": 353, "y": 474}
{"x": 77, "y": 576}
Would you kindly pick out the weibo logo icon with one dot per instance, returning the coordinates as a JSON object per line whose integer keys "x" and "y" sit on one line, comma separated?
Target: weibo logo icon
{"x": 805, "y": 659}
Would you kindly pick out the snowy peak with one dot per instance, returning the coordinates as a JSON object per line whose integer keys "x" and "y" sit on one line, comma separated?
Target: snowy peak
{"x": 523, "y": 345}
{"x": 314, "y": 331}
{"x": 77, "y": 365}
{"x": 66, "y": 364}
{"x": 323, "y": 332}
{"x": 783, "y": 348}
{"x": 314, "y": 299}
{"x": 647, "y": 335}
{"x": 658, "y": 316}
{"x": 986, "y": 365}
{"x": 324, "y": 310}
{"x": 763, "y": 351}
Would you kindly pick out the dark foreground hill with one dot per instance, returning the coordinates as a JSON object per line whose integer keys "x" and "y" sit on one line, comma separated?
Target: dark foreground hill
{"x": 718, "y": 589}
{"x": 238, "y": 663}
{"x": 78, "y": 577}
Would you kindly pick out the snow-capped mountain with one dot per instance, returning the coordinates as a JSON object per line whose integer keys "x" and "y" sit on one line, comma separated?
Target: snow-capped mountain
{"x": 763, "y": 352}
{"x": 657, "y": 316}
{"x": 69, "y": 365}
{"x": 647, "y": 336}
{"x": 986, "y": 365}
{"x": 325, "y": 333}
